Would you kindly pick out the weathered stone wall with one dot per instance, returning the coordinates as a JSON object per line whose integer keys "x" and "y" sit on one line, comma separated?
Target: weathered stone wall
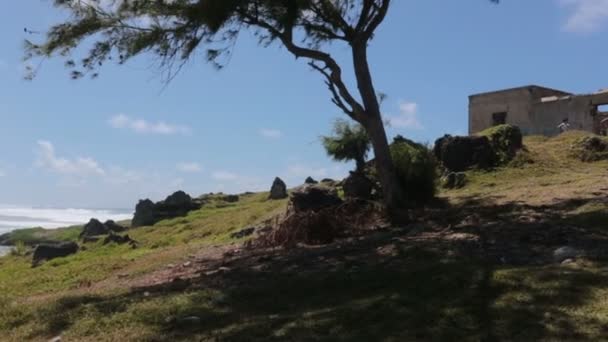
{"x": 546, "y": 116}
{"x": 534, "y": 111}
{"x": 515, "y": 102}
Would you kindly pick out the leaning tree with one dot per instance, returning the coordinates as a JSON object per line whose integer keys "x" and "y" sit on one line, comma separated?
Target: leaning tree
{"x": 176, "y": 30}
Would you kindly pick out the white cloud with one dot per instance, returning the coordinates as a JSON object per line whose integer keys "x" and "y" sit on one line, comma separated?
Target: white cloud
{"x": 48, "y": 159}
{"x": 408, "y": 116}
{"x": 586, "y": 15}
{"x": 224, "y": 176}
{"x": 2, "y": 173}
{"x": 189, "y": 167}
{"x": 141, "y": 126}
{"x": 271, "y": 133}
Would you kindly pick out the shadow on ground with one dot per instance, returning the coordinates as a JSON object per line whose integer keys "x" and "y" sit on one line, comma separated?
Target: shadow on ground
{"x": 475, "y": 272}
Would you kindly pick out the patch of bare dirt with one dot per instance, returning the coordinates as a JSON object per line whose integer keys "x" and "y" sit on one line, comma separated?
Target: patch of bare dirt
{"x": 496, "y": 232}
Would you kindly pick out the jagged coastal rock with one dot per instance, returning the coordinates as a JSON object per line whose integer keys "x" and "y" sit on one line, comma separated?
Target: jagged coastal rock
{"x": 461, "y": 153}
{"x": 114, "y": 227}
{"x": 314, "y": 198}
{"x": 93, "y": 228}
{"x": 278, "y": 190}
{"x": 310, "y": 180}
{"x": 357, "y": 185}
{"x": 45, "y": 252}
{"x": 177, "y": 204}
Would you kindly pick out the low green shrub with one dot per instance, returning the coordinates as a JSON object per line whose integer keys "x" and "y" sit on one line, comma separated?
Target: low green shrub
{"x": 506, "y": 141}
{"x": 590, "y": 148}
{"x": 20, "y": 249}
{"x": 417, "y": 170}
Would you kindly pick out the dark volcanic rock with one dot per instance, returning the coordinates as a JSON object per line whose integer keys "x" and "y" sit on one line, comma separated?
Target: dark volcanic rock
{"x": 357, "y": 185}
{"x": 278, "y": 189}
{"x": 177, "y": 204}
{"x": 242, "y": 233}
{"x": 178, "y": 199}
{"x": 50, "y": 251}
{"x": 314, "y": 198}
{"x": 88, "y": 239}
{"x": 94, "y": 228}
{"x": 310, "y": 180}
{"x": 119, "y": 239}
{"x": 144, "y": 214}
{"x": 230, "y": 198}
{"x": 461, "y": 153}
{"x": 114, "y": 227}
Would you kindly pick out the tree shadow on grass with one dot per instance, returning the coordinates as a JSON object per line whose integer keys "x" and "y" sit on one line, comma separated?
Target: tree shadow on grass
{"x": 354, "y": 292}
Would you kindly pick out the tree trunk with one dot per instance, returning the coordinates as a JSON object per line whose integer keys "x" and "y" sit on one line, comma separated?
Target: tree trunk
{"x": 372, "y": 122}
{"x": 392, "y": 191}
{"x": 360, "y": 164}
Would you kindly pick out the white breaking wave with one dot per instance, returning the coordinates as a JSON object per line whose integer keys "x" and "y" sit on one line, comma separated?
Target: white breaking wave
{"x": 14, "y": 217}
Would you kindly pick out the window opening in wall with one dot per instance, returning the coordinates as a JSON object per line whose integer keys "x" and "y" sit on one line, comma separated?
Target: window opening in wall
{"x": 499, "y": 118}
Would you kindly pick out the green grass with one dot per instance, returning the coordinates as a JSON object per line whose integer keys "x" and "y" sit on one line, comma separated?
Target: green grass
{"x": 549, "y": 169}
{"x": 32, "y": 236}
{"x": 423, "y": 292}
{"x": 418, "y": 297}
{"x": 167, "y": 241}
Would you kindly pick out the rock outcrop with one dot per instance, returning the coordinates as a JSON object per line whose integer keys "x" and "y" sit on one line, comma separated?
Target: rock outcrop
{"x": 230, "y": 198}
{"x": 310, "y": 180}
{"x": 119, "y": 239}
{"x": 243, "y": 233}
{"x": 278, "y": 190}
{"x": 94, "y": 228}
{"x": 144, "y": 214}
{"x": 458, "y": 154}
{"x": 357, "y": 185}
{"x": 45, "y": 252}
{"x": 177, "y": 204}
{"x": 114, "y": 227}
{"x": 313, "y": 198}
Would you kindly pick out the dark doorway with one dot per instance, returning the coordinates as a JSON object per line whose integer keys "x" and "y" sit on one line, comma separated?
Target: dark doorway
{"x": 499, "y": 118}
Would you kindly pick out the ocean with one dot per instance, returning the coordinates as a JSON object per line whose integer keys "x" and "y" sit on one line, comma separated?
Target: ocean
{"x": 15, "y": 217}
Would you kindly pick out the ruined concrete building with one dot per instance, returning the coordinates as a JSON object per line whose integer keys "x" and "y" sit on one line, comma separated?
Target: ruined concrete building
{"x": 538, "y": 110}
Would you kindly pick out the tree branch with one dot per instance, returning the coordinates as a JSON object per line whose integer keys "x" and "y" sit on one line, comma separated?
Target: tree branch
{"x": 336, "y": 98}
{"x": 376, "y": 19}
{"x": 335, "y": 74}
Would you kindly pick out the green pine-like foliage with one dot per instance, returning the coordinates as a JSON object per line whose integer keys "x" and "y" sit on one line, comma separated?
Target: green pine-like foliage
{"x": 348, "y": 142}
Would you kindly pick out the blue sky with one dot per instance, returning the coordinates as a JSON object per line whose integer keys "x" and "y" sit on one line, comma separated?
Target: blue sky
{"x": 110, "y": 141}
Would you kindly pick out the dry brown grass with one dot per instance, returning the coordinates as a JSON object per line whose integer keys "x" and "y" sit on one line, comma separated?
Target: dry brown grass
{"x": 350, "y": 218}
{"x": 553, "y": 176}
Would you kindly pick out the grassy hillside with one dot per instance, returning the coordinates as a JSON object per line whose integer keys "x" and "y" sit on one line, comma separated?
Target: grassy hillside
{"x": 32, "y": 236}
{"x": 478, "y": 267}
